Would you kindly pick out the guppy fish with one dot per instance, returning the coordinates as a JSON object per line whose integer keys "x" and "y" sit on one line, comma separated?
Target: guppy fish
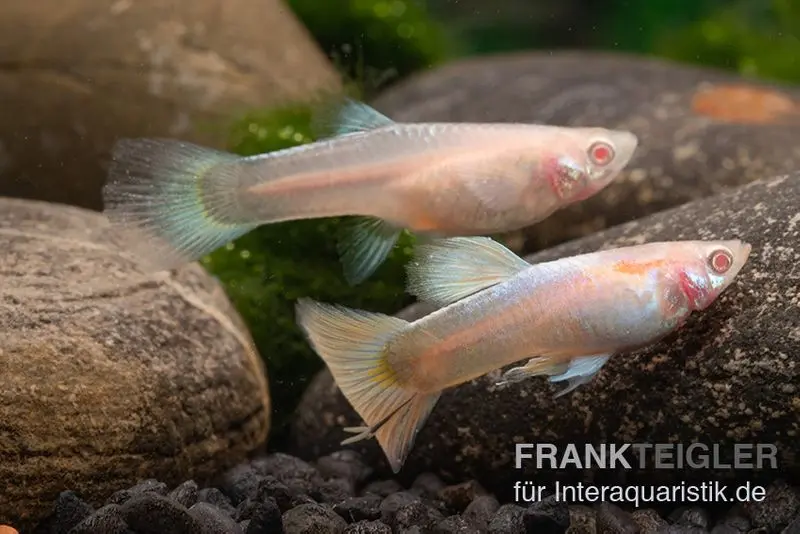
{"x": 439, "y": 179}
{"x": 566, "y": 317}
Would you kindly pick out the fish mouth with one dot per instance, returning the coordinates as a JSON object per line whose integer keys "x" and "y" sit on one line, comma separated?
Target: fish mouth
{"x": 741, "y": 253}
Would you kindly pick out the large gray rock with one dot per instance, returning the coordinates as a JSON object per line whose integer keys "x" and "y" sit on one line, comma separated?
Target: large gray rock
{"x": 732, "y": 374}
{"x": 78, "y": 74}
{"x": 110, "y": 375}
{"x": 700, "y": 130}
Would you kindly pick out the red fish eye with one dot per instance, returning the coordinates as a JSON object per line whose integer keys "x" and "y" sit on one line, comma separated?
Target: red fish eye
{"x": 720, "y": 261}
{"x": 601, "y": 153}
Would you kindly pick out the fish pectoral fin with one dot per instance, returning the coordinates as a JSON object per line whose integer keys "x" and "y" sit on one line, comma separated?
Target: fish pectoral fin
{"x": 535, "y": 367}
{"x": 580, "y": 371}
{"x": 346, "y": 116}
{"x": 444, "y": 271}
{"x": 364, "y": 244}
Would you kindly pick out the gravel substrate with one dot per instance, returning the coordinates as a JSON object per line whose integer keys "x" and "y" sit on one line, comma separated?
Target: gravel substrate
{"x": 279, "y": 493}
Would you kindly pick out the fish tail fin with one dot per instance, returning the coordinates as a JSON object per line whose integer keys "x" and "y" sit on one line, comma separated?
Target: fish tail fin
{"x": 181, "y": 196}
{"x": 353, "y": 345}
{"x": 364, "y": 243}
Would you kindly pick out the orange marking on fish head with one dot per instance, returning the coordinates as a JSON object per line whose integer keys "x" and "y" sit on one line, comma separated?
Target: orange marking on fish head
{"x": 745, "y": 104}
{"x": 637, "y": 267}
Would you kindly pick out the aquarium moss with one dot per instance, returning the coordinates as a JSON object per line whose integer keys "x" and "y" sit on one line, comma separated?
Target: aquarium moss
{"x": 265, "y": 271}
{"x": 377, "y": 41}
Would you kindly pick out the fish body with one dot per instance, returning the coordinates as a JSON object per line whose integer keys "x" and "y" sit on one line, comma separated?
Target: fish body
{"x": 438, "y": 179}
{"x": 565, "y": 317}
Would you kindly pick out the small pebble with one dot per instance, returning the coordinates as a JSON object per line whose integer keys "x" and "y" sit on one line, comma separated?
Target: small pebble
{"x": 217, "y": 498}
{"x": 481, "y": 510}
{"x": 456, "y": 525}
{"x": 106, "y": 520}
{"x": 458, "y": 496}
{"x": 582, "y": 520}
{"x": 427, "y": 485}
{"x": 384, "y": 488}
{"x": 780, "y": 506}
{"x": 614, "y": 520}
{"x": 691, "y": 516}
{"x": 285, "y": 468}
{"x": 145, "y": 486}
{"x": 548, "y": 516}
{"x": 345, "y": 464}
{"x": 391, "y": 504}
{"x": 241, "y": 482}
{"x": 214, "y": 520}
{"x": 416, "y": 514}
{"x": 648, "y": 521}
{"x": 360, "y": 508}
{"x": 69, "y": 511}
{"x": 270, "y": 487}
{"x": 153, "y": 514}
{"x": 334, "y": 491}
{"x": 265, "y": 518}
{"x": 185, "y": 494}
{"x": 508, "y": 520}
{"x": 368, "y": 527}
{"x": 313, "y": 519}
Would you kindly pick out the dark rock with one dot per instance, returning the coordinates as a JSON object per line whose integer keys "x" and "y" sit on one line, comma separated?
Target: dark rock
{"x": 456, "y": 524}
{"x": 244, "y": 525}
{"x": 427, "y": 485}
{"x": 241, "y": 482}
{"x": 726, "y": 377}
{"x": 700, "y": 130}
{"x": 135, "y": 372}
{"x": 333, "y": 491}
{"x": 391, "y": 504}
{"x": 416, "y": 514}
{"x": 185, "y": 494}
{"x": 582, "y": 520}
{"x": 780, "y": 505}
{"x": 615, "y": 520}
{"x": 548, "y": 516}
{"x": 214, "y": 520}
{"x": 794, "y": 527}
{"x": 737, "y": 518}
{"x": 508, "y": 520}
{"x": 384, "y": 488}
{"x": 145, "y": 486}
{"x": 691, "y": 516}
{"x": 481, "y": 510}
{"x": 68, "y": 512}
{"x": 345, "y": 464}
{"x": 285, "y": 497}
{"x": 313, "y": 519}
{"x": 150, "y": 513}
{"x": 265, "y": 518}
{"x": 458, "y": 496}
{"x": 285, "y": 467}
{"x": 682, "y": 529}
{"x": 106, "y": 520}
{"x": 217, "y": 498}
{"x": 368, "y": 527}
{"x": 648, "y": 521}
{"x": 724, "y": 528}
{"x": 363, "y": 508}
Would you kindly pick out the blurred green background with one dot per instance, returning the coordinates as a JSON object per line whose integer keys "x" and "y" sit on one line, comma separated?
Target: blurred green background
{"x": 376, "y": 43}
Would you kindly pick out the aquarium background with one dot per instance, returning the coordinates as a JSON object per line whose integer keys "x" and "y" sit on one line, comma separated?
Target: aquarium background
{"x": 377, "y": 43}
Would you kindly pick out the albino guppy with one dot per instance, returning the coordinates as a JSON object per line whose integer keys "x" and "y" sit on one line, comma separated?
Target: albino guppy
{"x": 567, "y": 317}
{"x": 436, "y": 179}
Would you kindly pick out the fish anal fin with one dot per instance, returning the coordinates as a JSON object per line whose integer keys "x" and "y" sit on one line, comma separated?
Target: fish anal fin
{"x": 444, "y": 271}
{"x": 364, "y": 243}
{"x": 538, "y": 366}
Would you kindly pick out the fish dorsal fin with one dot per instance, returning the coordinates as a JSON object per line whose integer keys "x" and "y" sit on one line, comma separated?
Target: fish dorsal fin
{"x": 447, "y": 270}
{"x": 347, "y": 116}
